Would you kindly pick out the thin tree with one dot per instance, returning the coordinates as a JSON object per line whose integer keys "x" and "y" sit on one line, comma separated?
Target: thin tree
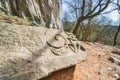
{"x": 116, "y": 35}
{"x": 118, "y": 30}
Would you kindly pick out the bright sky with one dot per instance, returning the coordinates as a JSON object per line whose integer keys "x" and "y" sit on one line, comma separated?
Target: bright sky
{"x": 112, "y": 15}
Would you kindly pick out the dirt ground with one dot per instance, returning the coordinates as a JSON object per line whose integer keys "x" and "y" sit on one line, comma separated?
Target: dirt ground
{"x": 97, "y": 66}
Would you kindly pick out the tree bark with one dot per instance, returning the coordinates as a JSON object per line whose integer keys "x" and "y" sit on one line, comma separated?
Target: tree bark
{"x": 116, "y": 35}
{"x": 77, "y": 25}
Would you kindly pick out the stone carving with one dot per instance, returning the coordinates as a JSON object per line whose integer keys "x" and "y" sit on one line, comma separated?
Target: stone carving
{"x": 59, "y": 52}
{"x": 59, "y": 41}
{"x": 59, "y": 46}
{"x": 63, "y": 42}
{"x": 73, "y": 43}
{"x": 31, "y": 53}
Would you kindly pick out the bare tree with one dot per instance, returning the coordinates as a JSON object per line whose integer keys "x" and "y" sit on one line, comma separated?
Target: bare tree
{"x": 86, "y": 29}
{"x": 96, "y": 10}
{"x": 82, "y": 11}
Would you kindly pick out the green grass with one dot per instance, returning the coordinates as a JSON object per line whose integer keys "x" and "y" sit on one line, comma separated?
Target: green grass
{"x": 14, "y": 19}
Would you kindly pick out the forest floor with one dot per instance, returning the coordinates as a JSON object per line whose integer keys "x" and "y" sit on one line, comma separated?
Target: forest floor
{"x": 98, "y": 65}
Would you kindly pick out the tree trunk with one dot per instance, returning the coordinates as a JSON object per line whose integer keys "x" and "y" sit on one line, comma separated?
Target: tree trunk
{"x": 75, "y": 31}
{"x": 116, "y": 34}
{"x": 45, "y": 12}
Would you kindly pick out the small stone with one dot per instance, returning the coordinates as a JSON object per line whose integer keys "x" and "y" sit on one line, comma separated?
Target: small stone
{"x": 116, "y": 76}
{"x": 117, "y": 71}
{"x": 114, "y": 60}
{"x": 110, "y": 68}
{"x": 100, "y": 72}
{"x": 117, "y": 51}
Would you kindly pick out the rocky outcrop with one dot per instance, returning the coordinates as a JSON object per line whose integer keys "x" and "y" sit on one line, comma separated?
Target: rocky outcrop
{"x": 31, "y": 53}
{"x": 45, "y": 12}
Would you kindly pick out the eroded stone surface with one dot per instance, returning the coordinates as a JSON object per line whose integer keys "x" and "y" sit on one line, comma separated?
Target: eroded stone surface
{"x": 45, "y": 12}
{"x": 31, "y": 53}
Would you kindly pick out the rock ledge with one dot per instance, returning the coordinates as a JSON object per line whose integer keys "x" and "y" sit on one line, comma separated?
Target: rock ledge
{"x": 31, "y": 53}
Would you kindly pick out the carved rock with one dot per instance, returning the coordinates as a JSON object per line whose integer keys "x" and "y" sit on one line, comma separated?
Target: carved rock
{"x": 45, "y": 12}
{"x": 31, "y": 53}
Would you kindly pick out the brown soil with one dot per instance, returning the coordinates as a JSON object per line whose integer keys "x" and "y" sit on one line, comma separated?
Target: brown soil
{"x": 97, "y": 65}
{"x": 66, "y": 74}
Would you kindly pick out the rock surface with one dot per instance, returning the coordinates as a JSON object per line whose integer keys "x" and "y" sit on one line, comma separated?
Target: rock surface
{"x": 116, "y": 51}
{"x": 31, "y": 53}
{"x": 45, "y": 12}
{"x": 115, "y": 59}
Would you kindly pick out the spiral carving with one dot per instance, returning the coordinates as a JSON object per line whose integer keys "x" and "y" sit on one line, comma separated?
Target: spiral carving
{"x": 59, "y": 42}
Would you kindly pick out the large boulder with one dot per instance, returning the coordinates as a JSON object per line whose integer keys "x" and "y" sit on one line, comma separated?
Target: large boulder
{"x": 45, "y": 12}
{"x": 31, "y": 53}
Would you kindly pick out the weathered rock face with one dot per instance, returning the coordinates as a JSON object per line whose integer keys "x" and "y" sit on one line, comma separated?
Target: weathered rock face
{"x": 45, "y": 12}
{"x": 31, "y": 53}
